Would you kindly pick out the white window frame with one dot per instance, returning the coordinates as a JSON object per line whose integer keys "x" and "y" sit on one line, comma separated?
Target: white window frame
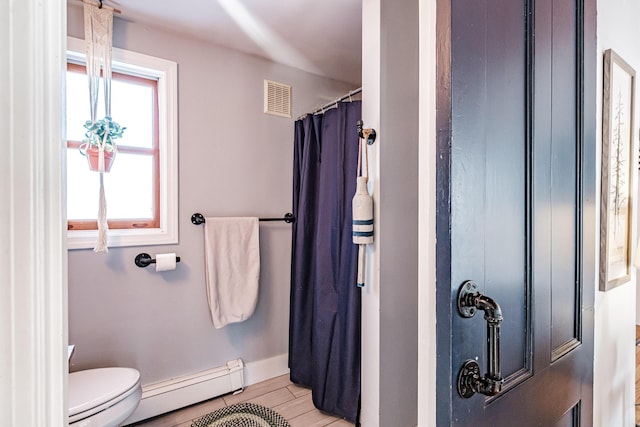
{"x": 166, "y": 72}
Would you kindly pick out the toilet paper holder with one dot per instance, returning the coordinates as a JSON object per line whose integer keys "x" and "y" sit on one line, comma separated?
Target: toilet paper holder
{"x": 144, "y": 260}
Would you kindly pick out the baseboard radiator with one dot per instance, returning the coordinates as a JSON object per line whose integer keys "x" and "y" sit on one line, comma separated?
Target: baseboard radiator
{"x": 166, "y": 396}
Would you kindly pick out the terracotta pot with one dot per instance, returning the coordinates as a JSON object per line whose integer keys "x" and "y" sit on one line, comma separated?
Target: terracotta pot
{"x": 93, "y": 154}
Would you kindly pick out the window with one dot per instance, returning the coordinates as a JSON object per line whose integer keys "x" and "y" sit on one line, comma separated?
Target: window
{"x": 141, "y": 189}
{"x": 135, "y": 101}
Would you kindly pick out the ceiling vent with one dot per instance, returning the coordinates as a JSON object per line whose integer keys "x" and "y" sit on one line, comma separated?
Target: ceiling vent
{"x": 277, "y": 99}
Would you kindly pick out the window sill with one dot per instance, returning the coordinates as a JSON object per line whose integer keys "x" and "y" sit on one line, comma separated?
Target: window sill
{"x": 86, "y": 239}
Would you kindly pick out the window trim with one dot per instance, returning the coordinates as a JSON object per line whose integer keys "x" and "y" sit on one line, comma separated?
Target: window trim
{"x": 166, "y": 72}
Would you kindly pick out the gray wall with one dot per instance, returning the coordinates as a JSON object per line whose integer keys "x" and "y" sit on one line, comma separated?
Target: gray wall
{"x": 233, "y": 160}
{"x": 398, "y": 232}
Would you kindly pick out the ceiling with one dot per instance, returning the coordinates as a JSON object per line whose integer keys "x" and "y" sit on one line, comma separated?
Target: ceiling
{"x": 320, "y": 36}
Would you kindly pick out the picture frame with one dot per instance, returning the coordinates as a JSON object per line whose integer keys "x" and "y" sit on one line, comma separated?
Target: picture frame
{"x": 617, "y": 173}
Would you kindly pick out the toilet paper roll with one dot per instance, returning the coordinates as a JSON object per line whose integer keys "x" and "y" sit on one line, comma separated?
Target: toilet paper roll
{"x": 165, "y": 262}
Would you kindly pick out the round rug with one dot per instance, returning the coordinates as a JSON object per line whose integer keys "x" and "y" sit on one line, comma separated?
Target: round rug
{"x": 242, "y": 415}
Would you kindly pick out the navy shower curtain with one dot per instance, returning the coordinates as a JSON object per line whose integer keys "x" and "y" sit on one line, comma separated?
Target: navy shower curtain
{"x": 324, "y": 329}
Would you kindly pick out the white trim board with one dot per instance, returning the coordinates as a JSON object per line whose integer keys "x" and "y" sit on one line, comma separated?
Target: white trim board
{"x": 33, "y": 261}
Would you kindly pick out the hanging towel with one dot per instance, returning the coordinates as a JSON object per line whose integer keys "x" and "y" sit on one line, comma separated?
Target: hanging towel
{"x": 232, "y": 268}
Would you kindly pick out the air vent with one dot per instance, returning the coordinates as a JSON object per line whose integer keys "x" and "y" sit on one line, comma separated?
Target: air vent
{"x": 277, "y": 99}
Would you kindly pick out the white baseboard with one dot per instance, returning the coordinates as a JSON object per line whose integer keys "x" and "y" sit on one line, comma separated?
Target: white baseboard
{"x": 260, "y": 370}
{"x": 166, "y": 396}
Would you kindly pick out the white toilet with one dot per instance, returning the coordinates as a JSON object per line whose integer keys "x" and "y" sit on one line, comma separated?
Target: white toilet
{"x": 103, "y": 397}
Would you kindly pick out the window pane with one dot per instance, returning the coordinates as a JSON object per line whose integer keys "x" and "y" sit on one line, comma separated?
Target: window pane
{"x": 128, "y": 187}
{"x": 77, "y": 105}
{"x": 82, "y": 187}
{"x": 132, "y": 106}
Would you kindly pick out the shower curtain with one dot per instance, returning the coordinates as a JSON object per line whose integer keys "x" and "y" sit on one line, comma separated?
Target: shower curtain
{"x": 324, "y": 329}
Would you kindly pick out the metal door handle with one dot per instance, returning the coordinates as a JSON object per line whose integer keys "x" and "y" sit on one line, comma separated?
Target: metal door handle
{"x": 469, "y": 380}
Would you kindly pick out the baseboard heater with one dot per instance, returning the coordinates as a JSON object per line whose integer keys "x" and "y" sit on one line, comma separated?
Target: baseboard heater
{"x": 166, "y": 396}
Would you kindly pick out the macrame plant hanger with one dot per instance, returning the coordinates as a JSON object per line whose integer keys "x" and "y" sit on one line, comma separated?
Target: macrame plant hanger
{"x": 98, "y": 30}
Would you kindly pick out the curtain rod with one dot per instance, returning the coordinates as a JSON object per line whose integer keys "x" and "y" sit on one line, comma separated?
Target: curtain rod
{"x": 333, "y": 103}
{"x": 99, "y": 4}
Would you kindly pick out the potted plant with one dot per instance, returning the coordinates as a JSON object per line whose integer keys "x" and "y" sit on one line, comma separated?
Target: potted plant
{"x": 100, "y": 136}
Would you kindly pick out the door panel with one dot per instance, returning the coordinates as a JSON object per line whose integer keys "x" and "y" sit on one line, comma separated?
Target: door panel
{"x": 565, "y": 147}
{"x": 517, "y": 162}
{"x": 571, "y": 418}
{"x": 488, "y": 203}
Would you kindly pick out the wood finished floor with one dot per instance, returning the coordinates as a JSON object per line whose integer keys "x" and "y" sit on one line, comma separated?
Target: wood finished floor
{"x": 280, "y": 394}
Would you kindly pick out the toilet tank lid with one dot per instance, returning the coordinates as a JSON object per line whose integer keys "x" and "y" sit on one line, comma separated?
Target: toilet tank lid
{"x": 94, "y": 387}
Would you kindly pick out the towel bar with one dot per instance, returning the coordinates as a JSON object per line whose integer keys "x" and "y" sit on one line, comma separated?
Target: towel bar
{"x": 198, "y": 218}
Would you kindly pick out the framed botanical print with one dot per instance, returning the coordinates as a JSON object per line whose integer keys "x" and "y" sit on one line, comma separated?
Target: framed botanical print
{"x": 617, "y": 159}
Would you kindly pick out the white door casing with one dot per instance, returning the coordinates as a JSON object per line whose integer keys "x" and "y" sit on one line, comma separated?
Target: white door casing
{"x": 33, "y": 257}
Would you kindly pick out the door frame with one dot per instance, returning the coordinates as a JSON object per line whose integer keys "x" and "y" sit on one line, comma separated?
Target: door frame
{"x": 33, "y": 267}
{"x": 430, "y": 52}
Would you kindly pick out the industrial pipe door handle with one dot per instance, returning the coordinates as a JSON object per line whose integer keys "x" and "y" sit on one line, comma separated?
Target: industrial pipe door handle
{"x": 469, "y": 380}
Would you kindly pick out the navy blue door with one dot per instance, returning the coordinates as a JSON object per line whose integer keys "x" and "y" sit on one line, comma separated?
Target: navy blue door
{"x": 516, "y": 118}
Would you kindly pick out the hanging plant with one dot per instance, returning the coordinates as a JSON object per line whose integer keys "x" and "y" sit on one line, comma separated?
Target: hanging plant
{"x": 100, "y": 136}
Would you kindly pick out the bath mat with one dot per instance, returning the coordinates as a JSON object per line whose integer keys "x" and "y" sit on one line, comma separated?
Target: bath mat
{"x": 242, "y": 415}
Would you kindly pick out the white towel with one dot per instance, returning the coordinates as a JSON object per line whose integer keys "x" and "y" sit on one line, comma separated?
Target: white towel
{"x": 232, "y": 268}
